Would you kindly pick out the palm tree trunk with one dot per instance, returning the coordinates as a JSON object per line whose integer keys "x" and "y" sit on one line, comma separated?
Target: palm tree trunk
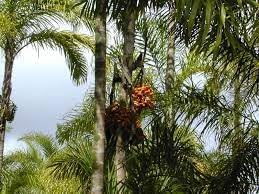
{"x": 170, "y": 68}
{"x": 6, "y": 93}
{"x": 119, "y": 163}
{"x": 2, "y": 140}
{"x": 128, "y": 50}
{"x": 170, "y": 75}
{"x": 100, "y": 81}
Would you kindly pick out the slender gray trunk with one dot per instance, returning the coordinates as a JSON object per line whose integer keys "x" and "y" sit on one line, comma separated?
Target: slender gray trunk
{"x": 119, "y": 163}
{"x": 170, "y": 68}
{"x": 170, "y": 75}
{"x": 5, "y": 98}
{"x": 128, "y": 50}
{"x": 100, "y": 81}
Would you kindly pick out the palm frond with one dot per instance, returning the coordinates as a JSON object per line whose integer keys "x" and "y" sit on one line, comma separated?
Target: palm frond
{"x": 165, "y": 161}
{"x": 87, "y": 8}
{"x": 70, "y": 10}
{"x": 79, "y": 122}
{"x": 45, "y": 144}
{"x": 68, "y": 43}
{"x": 76, "y": 161}
{"x": 25, "y": 170}
{"x": 239, "y": 172}
{"x": 229, "y": 33}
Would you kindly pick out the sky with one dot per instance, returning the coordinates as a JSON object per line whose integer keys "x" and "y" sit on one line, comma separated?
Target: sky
{"x": 43, "y": 93}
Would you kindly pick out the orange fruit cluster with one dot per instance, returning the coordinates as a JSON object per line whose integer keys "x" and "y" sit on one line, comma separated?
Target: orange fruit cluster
{"x": 117, "y": 117}
{"x": 143, "y": 97}
{"x": 121, "y": 118}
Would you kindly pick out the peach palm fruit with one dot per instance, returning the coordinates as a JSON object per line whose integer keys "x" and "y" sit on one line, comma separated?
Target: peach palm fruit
{"x": 143, "y": 97}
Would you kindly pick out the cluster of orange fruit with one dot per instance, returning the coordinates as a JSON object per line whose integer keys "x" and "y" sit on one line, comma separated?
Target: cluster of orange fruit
{"x": 143, "y": 97}
{"x": 118, "y": 117}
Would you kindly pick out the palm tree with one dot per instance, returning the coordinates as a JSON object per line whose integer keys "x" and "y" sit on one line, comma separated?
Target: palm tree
{"x": 129, "y": 18}
{"x": 233, "y": 122}
{"x": 127, "y": 14}
{"x": 25, "y": 171}
{"x": 209, "y": 28}
{"x": 34, "y": 27}
{"x": 217, "y": 81}
{"x": 100, "y": 88}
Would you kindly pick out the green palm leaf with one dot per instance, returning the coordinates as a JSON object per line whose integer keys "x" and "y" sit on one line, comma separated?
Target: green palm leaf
{"x": 67, "y": 43}
{"x": 75, "y": 161}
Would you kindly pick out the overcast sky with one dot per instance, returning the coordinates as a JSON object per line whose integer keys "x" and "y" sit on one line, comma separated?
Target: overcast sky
{"x": 42, "y": 91}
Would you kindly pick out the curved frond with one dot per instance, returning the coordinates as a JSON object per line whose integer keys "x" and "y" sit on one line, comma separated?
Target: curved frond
{"x": 68, "y": 43}
{"x": 226, "y": 30}
{"x": 43, "y": 143}
{"x": 238, "y": 172}
{"x": 76, "y": 161}
{"x": 79, "y": 122}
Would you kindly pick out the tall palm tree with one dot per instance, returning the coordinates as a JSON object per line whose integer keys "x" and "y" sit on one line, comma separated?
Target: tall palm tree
{"x": 98, "y": 9}
{"x": 100, "y": 92}
{"x": 129, "y": 18}
{"x": 34, "y": 27}
{"x": 127, "y": 13}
